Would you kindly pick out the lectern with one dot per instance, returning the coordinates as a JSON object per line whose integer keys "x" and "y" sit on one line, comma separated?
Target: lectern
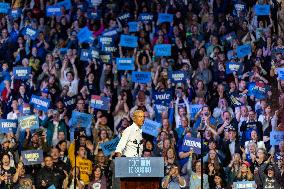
{"x": 139, "y": 172}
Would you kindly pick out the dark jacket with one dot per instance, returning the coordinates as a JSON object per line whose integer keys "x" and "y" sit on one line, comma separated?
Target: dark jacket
{"x": 51, "y": 176}
{"x": 265, "y": 182}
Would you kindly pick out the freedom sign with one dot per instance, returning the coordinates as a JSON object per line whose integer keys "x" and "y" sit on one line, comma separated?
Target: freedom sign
{"x": 141, "y": 77}
{"x": 32, "y": 157}
{"x": 82, "y": 119}
{"x": 164, "y": 17}
{"x": 190, "y": 143}
{"x": 232, "y": 67}
{"x": 243, "y": 50}
{"x": 276, "y": 137}
{"x": 280, "y": 72}
{"x": 151, "y": 127}
{"x": 4, "y": 8}
{"x": 262, "y": 10}
{"x": 32, "y": 33}
{"x": 22, "y": 72}
{"x": 163, "y": 50}
{"x": 8, "y": 125}
{"x": 244, "y": 185}
{"x": 40, "y": 103}
{"x": 178, "y": 76}
{"x": 100, "y": 102}
{"x": 53, "y": 10}
{"x": 125, "y": 64}
{"x": 109, "y": 146}
{"x": 128, "y": 41}
{"x": 30, "y": 121}
{"x": 162, "y": 97}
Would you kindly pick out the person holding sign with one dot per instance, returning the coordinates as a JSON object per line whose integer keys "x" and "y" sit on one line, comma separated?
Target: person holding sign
{"x": 131, "y": 141}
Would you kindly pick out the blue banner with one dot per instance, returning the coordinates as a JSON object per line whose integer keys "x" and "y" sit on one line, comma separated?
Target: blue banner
{"x": 262, "y": 10}
{"x": 52, "y": 187}
{"x": 280, "y": 72}
{"x": 82, "y": 119}
{"x": 243, "y": 50}
{"x": 100, "y": 102}
{"x": 32, "y": 157}
{"x": 32, "y": 33}
{"x": 163, "y": 17}
{"x": 22, "y": 72}
{"x": 128, "y": 41}
{"x": 8, "y": 125}
{"x": 84, "y": 35}
{"x": 40, "y": 103}
{"x": 111, "y": 32}
{"x": 106, "y": 40}
{"x": 151, "y": 127}
{"x": 85, "y": 55}
{"x": 258, "y": 90}
{"x": 4, "y": 8}
{"x": 238, "y": 8}
{"x": 54, "y": 10}
{"x": 194, "y": 109}
{"x": 125, "y": 64}
{"x": 133, "y": 26}
{"x": 66, "y": 3}
{"x": 276, "y": 137}
{"x": 178, "y": 76}
{"x": 162, "y": 97}
{"x": 244, "y": 185}
{"x": 232, "y": 67}
{"x": 163, "y": 50}
{"x": 145, "y": 17}
{"x": 15, "y": 13}
{"x": 190, "y": 143}
{"x": 30, "y": 122}
{"x": 141, "y": 77}
{"x": 94, "y": 53}
{"x": 109, "y": 146}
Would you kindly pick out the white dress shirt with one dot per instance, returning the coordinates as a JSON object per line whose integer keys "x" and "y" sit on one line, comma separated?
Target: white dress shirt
{"x": 130, "y": 143}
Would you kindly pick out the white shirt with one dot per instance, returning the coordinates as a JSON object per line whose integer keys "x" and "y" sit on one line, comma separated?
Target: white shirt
{"x": 55, "y": 133}
{"x": 130, "y": 143}
{"x": 12, "y": 115}
{"x": 73, "y": 86}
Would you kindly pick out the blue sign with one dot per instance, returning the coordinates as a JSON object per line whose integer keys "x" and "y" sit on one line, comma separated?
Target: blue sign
{"x": 15, "y": 13}
{"x": 109, "y": 146}
{"x": 280, "y": 72}
{"x": 30, "y": 122}
{"x": 40, "y": 103}
{"x": 258, "y": 90}
{"x": 125, "y": 64}
{"x": 109, "y": 49}
{"x": 133, "y": 26}
{"x": 94, "y": 53}
{"x": 54, "y": 10}
{"x": 128, "y": 41}
{"x": 32, "y": 157}
{"x": 163, "y": 17}
{"x": 100, "y": 102}
{"x": 84, "y": 35}
{"x": 162, "y": 97}
{"x": 163, "y": 50}
{"x": 151, "y": 127}
{"x": 262, "y": 10}
{"x": 111, "y": 32}
{"x": 106, "y": 58}
{"x": 82, "y": 119}
{"x": 178, "y": 76}
{"x": 244, "y": 185}
{"x": 52, "y": 187}
{"x": 243, "y": 50}
{"x": 232, "y": 67}
{"x": 4, "y": 8}
{"x": 124, "y": 17}
{"x": 32, "y": 33}
{"x": 106, "y": 40}
{"x": 190, "y": 143}
{"x": 145, "y": 17}
{"x": 276, "y": 137}
{"x": 25, "y": 109}
{"x": 63, "y": 50}
{"x": 22, "y": 72}
{"x": 126, "y": 167}
{"x": 66, "y": 3}
{"x": 229, "y": 37}
{"x": 141, "y": 77}
{"x": 85, "y": 55}
{"x": 8, "y": 125}
{"x": 194, "y": 109}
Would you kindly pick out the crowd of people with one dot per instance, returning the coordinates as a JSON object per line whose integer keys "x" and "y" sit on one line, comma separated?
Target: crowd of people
{"x": 204, "y": 37}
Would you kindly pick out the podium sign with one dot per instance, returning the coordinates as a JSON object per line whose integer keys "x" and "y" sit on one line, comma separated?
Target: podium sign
{"x": 139, "y": 167}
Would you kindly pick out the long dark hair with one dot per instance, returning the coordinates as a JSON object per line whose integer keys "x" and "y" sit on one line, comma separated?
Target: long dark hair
{"x": 94, "y": 170}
